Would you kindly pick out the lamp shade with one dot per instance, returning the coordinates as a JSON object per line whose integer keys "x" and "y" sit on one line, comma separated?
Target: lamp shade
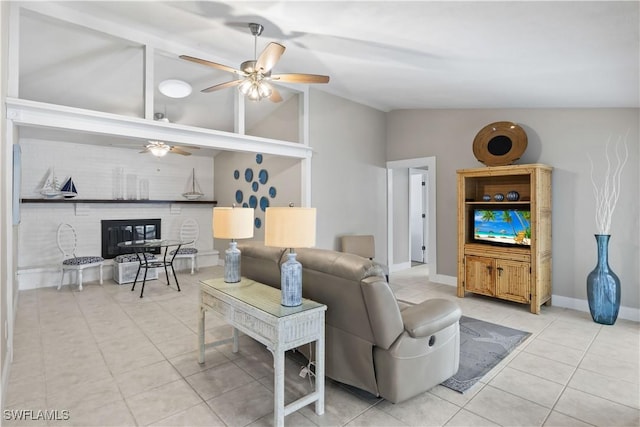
{"x": 232, "y": 223}
{"x": 290, "y": 227}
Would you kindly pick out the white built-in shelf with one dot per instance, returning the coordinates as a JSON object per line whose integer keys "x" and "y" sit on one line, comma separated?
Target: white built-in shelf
{"x": 194, "y": 202}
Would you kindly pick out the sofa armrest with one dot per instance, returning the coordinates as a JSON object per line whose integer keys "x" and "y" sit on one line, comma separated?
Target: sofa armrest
{"x": 430, "y": 316}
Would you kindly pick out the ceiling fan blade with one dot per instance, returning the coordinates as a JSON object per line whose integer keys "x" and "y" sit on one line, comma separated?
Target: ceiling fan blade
{"x": 146, "y": 150}
{"x": 179, "y": 151}
{"x": 222, "y": 86}
{"x": 301, "y": 78}
{"x": 275, "y": 95}
{"x": 269, "y": 56}
{"x": 211, "y": 64}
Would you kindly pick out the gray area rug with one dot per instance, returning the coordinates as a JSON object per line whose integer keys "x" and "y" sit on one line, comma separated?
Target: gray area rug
{"x": 482, "y": 346}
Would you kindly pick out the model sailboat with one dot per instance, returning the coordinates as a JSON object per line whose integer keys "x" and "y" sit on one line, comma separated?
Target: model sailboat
{"x": 51, "y": 187}
{"x": 68, "y": 189}
{"x": 195, "y": 193}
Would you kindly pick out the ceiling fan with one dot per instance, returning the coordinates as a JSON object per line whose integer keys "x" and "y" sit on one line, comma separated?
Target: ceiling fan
{"x": 255, "y": 74}
{"x": 160, "y": 149}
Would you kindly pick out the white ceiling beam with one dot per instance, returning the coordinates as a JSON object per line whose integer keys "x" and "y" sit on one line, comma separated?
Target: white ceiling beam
{"x": 39, "y": 114}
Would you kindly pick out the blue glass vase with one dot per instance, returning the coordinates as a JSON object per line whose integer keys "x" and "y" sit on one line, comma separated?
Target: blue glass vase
{"x": 603, "y": 286}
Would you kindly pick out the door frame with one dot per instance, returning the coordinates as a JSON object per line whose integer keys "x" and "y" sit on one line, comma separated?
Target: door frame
{"x": 429, "y": 165}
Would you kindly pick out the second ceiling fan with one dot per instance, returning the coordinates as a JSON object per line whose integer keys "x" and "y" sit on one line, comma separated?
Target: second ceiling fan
{"x": 255, "y": 74}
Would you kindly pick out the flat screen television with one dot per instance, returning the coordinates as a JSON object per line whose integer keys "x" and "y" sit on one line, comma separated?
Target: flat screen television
{"x": 502, "y": 227}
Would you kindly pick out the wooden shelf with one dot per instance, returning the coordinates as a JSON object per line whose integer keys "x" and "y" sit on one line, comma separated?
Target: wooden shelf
{"x": 105, "y": 201}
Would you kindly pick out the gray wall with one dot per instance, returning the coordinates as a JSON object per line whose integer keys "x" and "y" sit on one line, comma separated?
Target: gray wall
{"x": 560, "y": 138}
{"x": 348, "y": 170}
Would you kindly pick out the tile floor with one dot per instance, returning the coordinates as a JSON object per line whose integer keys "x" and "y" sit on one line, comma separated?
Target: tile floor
{"x": 104, "y": 357}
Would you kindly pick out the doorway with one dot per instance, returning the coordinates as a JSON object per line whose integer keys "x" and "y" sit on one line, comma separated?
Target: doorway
{"x": 418, "y": 218}
{"x": 398, "y": 213}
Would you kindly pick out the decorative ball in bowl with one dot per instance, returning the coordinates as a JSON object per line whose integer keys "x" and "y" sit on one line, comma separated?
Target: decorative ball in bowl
{"x": 486, "y": 197}
{"x": 513, "y": 196}
{"x": 498, "y": 197}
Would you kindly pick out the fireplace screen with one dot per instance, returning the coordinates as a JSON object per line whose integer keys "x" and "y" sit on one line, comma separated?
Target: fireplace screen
{"x": 123, "y": 230}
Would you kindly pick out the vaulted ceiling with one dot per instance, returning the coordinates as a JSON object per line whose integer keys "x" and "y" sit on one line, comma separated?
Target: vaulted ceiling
{"x": 388, "y": 55}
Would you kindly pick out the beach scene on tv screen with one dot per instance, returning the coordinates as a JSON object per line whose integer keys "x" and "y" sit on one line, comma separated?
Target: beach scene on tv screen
{"x": 509, "y": 226}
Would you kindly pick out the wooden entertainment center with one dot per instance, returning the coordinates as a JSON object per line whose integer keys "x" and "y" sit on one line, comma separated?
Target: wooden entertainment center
{"x": 519, "y": 271}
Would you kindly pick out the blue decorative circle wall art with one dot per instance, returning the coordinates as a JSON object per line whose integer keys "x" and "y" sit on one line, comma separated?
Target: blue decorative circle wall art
{"x": 263, "y": 176}
{"x": 255, "y": 186}
{"x": 264, "y": 203}
{"x": 272, "y": 192}
{"x": 258, "y": 158}
{"x": 239, "y": 196}
{"x": 245, "y": 205}
{"x": 248, "y": 175}
{"x": 253, "y": 202}
{"x": 258, "y": 222}
{"x": 236, "y": 174}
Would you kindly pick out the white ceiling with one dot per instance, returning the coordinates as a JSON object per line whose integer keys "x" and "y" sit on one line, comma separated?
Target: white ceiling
{"x": 426, "y": 54}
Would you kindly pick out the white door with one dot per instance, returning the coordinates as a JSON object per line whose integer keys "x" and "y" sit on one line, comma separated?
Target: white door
{"x": 418, "y": 215}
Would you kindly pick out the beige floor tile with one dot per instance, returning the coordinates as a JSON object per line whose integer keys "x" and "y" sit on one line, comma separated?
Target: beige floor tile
{"x": 375, "y": 417}
{"x": 555, "y": 351}
{"x": 628, "y": 370}
{"x": 556, "y": 419}
{"x": 26, "y": 389}
{"x": 527, "y": 386}
{"x": 187, "y": 364}
{"x": 200, "y": 415}
{"x": 424, "y": 409}
{"x": 183, "y": 344}
{"x": 542, "y": 367}
{"x": 506, "y": 409}
{"x": 459, "y": 399}
{"x": 142, "y": 379}
{"x": 84, "y": 397}
{"x": 571, "y": 334}
{"x": 218, "y": 380}
{"x": 341, "y": 407}
{"x": 243, "y": 405}
{"x": 596, "y": 410}
{"x": 620, "y": 391}
{"x": 149, "y": 345}
{"x": 292, "y": 420}
{"x": 112, "y": 414}
{"x": 465, "y": 418}
{"x": 162, "y": 402}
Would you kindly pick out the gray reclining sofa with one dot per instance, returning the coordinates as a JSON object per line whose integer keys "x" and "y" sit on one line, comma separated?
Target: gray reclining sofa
{"x": 374, "y": 343}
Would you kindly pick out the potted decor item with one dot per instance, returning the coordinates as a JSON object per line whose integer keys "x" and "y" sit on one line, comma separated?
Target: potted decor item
{"x": 603, "y": 285}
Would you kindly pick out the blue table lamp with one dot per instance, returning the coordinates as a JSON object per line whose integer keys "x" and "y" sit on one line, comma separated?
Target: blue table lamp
{"x": 232, "y": 223}
{"x": 291, "y": 228}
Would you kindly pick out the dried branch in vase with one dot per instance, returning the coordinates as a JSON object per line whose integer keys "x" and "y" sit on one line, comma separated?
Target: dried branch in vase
{"x": 608, "y": 192}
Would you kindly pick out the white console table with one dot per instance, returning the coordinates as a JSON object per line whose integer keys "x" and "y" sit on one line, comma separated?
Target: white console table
{"x": 254, "y": 308}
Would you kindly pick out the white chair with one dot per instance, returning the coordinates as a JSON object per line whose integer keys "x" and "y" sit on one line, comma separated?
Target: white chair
{"x": 189, "y": 232}
{"x": 67, "y": 242}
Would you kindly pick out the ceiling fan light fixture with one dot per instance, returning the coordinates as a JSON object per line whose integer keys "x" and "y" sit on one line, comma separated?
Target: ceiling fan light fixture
{"x": 159, "y": 149}
{"x": 175, "y": 88}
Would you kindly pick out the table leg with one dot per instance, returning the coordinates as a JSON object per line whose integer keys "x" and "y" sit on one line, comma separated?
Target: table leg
{"x": 201, "y": 333}
{"x": 173, "y": 270}
{"x": 234, "y": 347}
{"x": 320, "y": 373}
{"x": 278, "y": 388}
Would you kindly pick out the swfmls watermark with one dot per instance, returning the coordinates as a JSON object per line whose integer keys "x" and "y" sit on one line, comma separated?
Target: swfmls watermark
{"x": 36, "y": 414}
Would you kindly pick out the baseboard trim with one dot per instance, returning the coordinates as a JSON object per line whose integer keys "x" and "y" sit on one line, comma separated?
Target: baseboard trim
{"x": 445, "y": 280}
{"x": 628, "y": 313}
{"x": 399, "y": 267}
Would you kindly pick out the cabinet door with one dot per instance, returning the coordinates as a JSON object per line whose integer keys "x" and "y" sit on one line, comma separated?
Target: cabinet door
{"x": 479, "y": 275}
{"x": 513, "y": 280}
